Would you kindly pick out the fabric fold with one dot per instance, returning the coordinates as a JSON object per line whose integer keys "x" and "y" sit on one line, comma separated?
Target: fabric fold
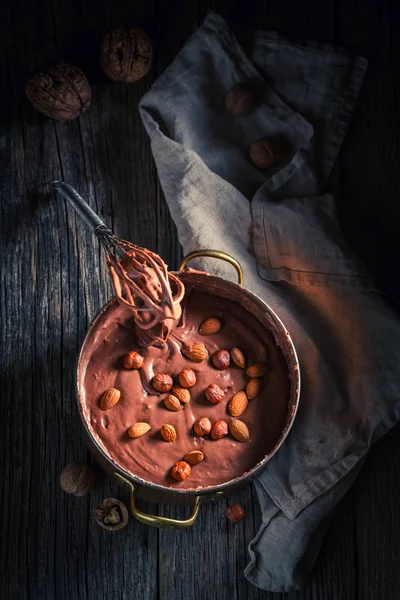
{"x": 287, "y": 238}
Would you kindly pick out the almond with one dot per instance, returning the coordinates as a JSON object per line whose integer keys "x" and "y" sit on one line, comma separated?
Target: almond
{"x": 238, "y": 404}
{"x": 210, "y": 326}
{"x": 181, "y": 393}
{"x": 257, "y": 370}
{"x": 238, "y": 358}
{"x": 239, "y": 430}
{"x": 172, "y": 403}
{"x": 253, "y": 388}
{"x": 110, "y": 398}
{"x": 138, "y": 429}
{"x": 196, "y": 352}
{"x": 194, "y": 457}
{"x": 168, "y": 432}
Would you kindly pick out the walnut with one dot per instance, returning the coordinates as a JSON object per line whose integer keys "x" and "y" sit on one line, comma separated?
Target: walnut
{"x": 126, "y": 54}
{"x": 77, "y": 478}
{"x": 62, "y": 92}
{"x": 241, "y": 99}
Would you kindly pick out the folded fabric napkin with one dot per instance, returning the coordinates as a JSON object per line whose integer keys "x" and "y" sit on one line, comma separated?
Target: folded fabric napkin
{"x": 293, "y": 255}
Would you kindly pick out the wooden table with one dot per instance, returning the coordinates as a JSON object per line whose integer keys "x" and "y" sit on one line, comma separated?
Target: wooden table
{"x": 53, "y": 281}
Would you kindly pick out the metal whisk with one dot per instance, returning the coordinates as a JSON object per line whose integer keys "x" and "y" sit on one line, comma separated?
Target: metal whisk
{"x": 110, "y": 242}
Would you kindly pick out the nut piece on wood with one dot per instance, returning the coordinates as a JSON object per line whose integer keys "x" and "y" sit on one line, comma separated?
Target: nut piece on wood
{"x": 241, "y": 99}
{"x": 61, "y": 93}
{"x": 77, "y": 478}
{"x": 181, "y": 470}
{"x": 235, "y": 513}
{"x": 112, "y": 514}
{"x": 133, "y": 360}
{"x": 202, "y": 426}
{"x": 162, "y": 382}
{"x": 267, "y": 151}
{"x": 126, "y": 54}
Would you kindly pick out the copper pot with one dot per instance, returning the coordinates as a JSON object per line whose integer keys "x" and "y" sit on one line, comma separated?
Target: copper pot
{"x": 268, "y": 319}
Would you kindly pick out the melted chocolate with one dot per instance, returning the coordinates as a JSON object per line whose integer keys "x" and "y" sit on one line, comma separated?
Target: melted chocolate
{"x": 150, "y": 457}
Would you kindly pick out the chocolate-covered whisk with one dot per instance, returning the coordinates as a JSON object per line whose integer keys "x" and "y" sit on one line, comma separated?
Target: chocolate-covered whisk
{"x": 140, "y": 277}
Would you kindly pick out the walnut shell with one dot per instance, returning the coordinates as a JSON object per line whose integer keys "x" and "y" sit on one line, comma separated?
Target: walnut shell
{"x": 62, "y": 92}
{"x": 112, "y": 514}
{"x": 126, "y": 54}
{"x": 77, "y": 478}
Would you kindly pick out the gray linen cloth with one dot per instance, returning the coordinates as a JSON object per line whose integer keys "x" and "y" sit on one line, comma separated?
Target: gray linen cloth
{"x": 287, "y": 238}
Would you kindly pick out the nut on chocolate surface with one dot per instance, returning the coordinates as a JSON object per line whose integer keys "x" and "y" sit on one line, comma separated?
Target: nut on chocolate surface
{"x": 126, "y": 54}
{"x": 62, "y": 92}
{"x": 112, "y": 514}
{"x": 241, "y": 99}
{"x": 77, "y": 478}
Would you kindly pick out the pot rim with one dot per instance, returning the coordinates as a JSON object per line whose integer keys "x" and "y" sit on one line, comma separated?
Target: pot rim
{"x": 293, "y": 403}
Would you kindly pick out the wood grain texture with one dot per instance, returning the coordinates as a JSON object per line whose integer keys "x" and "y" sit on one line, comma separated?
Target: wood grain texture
{"x": 53, "y": 280}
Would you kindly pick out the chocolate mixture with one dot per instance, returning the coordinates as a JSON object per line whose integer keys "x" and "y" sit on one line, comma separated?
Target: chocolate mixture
{"x": 150, "y": 456}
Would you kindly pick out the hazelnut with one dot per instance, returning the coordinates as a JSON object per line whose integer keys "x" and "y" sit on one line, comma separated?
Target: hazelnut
{"x": 221, "y": 359}
{"x": 61, "y": 93}
{"x": 133, "y": 360}
{"x": 77, "y": 478}
{"x": 181, "y": 470}
{"x": 235, "y": 513}
{"x": 219, "y": 429}
{"x": 112, "y": 514}
{"x": 162, "y": 382}
{"x": 214, "y": 394}
{"x": 187, "y": 378}
{"x": 241, "y": 99}
{"x": 126, "y": 54}
{"x": 202, "y": 426}
{"x": 266, "y": 152}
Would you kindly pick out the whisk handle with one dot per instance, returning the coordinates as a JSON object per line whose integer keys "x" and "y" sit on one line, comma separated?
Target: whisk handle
{"x": 79, "y": 204}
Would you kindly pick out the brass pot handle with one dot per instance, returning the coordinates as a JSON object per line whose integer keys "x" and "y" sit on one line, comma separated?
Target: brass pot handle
{"x": 214, "y": 254}
{"x": 155, "y": 520}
